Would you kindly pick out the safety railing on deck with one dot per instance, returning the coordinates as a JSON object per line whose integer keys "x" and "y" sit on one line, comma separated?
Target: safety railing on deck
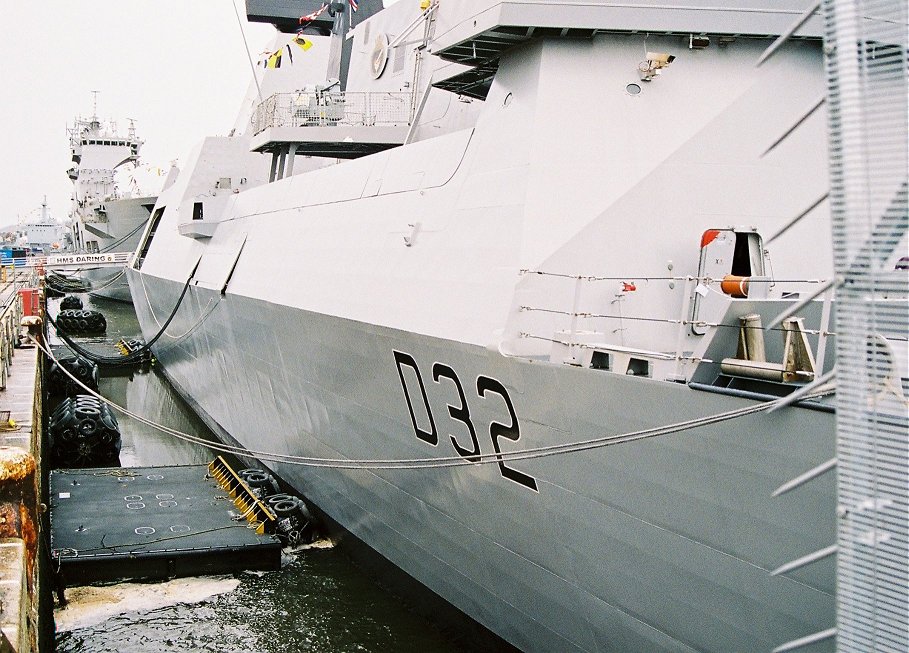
{"x": 569, "y": 322}
{"x": 10, "y": 315}
{"x": 321, "y": 109}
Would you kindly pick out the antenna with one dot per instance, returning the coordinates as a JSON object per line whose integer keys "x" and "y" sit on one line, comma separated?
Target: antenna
{"x": 248, "y": 55}
{"x": 95, "y": 104}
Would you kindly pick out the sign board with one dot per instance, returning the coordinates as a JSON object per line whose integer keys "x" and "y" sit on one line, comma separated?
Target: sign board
{"x": 74, "y": 259}
{"x": 59, "y": 260}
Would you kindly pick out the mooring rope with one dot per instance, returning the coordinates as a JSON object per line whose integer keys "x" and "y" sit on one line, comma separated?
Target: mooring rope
{"x": 449, "y": 461}
{"x": 132, "y": 357}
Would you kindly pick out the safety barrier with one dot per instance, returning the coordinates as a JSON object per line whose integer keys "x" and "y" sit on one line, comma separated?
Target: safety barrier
{"x": 305, "y": 109}
{"x": 10, "y": 317}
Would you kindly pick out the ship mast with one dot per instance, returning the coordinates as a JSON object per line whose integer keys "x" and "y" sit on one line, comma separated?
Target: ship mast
{"x": 339, "y": 30}
{"x": 97, "y": 150}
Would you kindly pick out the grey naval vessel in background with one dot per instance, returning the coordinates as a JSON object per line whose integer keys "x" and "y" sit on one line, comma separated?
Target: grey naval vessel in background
{"x": 104, "y": 218}
{"x": 532, "y": 298}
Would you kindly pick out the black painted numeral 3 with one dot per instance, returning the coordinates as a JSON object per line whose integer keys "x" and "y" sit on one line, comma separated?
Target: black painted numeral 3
{"x": 460, "y": 413}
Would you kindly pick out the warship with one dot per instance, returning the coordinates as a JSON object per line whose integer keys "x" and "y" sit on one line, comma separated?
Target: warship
{"x": 533, "y": 298}
{"x": 41, "y": 232}
{"x": 104, "y": 219}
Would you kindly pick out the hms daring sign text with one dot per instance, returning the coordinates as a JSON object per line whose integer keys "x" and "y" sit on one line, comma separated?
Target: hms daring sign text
{"x": 72, "y": 259}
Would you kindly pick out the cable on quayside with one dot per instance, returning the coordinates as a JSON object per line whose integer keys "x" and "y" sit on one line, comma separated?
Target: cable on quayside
{"x": 131, "y": 358}
{"x": 450, "y": 461}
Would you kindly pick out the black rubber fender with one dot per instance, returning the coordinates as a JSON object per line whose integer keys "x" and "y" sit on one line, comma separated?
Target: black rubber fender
{"x": 285, "y": 507}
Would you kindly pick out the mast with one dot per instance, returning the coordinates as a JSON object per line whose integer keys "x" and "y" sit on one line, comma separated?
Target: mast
{"x": 336, "y": 48}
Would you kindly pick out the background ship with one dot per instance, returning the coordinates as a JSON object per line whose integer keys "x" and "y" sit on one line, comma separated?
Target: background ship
{"x": 41, "y": 232}
{"x": 516, "y": 345}
{"x": 104, "y": 218}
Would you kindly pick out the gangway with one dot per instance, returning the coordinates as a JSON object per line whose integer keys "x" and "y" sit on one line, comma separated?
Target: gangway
{"x": 69, "y": 261}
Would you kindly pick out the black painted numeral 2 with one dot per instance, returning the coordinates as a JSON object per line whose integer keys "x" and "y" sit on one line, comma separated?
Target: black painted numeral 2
{"x": 461, "y": 413}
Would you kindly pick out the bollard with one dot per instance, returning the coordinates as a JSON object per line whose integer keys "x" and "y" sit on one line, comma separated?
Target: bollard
{"x": 18, "y": 549}
{"x": 19, "y": 499}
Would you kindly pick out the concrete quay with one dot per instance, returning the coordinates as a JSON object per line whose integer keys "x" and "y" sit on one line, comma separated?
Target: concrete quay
{"x": 21, "y": 510}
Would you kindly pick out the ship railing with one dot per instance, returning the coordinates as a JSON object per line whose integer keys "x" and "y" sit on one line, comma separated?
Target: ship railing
{"x": 11, "y": 311}
{"x": 320, "y": 109}
{"x": 573, "y": 330}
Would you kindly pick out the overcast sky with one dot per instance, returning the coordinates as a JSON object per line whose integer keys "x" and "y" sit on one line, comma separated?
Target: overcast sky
{"x": 176, "y": 66}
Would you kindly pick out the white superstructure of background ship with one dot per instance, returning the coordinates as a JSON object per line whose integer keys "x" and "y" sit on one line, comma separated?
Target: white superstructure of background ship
{"x": 40, "y": 231}
{"x": 104, "y": 218}
{"x": 524, "y": 338}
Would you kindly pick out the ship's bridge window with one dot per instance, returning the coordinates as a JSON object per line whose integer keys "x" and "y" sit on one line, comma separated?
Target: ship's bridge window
{"x": 197, "y": 211}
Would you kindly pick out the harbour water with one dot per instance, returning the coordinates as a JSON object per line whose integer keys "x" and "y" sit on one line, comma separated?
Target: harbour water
{"x": 318, "y": 601}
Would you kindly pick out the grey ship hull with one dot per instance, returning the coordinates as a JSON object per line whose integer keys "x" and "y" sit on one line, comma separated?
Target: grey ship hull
{"x": 384, "y": 309}
{"x": 126, "y": 219}
{"x": 107, "y": 284}
{"x": 665, "y": 544}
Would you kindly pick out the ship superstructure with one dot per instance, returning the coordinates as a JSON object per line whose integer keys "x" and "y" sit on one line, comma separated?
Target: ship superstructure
{"x": 524, "y": 339}
{"x": 42, "y": 233}
{"x": 104, "y": 218}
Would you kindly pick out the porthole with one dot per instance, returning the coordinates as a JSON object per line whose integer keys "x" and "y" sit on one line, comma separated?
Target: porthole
{"x": 633, "y": 89}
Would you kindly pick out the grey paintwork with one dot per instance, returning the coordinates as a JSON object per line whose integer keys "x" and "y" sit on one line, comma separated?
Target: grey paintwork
{"x": 301, "y": 290}
{"x": 666, "y": 544}
{"x": 126, "y": 220}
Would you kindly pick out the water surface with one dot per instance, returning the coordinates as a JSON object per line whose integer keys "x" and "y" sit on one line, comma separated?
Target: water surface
{"x": 319, "y": 600}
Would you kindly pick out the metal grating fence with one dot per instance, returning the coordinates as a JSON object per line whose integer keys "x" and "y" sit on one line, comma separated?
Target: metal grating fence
{"x": 323, "y": 109}
{"x": 868, "y": 88}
